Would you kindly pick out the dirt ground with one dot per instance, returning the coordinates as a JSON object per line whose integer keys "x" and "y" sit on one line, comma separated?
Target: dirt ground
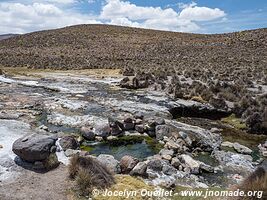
{"x": 53, "y": 185}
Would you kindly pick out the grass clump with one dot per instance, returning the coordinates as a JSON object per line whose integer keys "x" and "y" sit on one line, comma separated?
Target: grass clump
{"x": 235, "y": 122}
{"x": 128, "y": 183}
{"x": 89, "y": 174}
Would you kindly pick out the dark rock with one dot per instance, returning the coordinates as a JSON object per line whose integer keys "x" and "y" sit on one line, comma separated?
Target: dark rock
{"x": 34, "y": 147}
{"x": 140, "y": 128}
{"x": 116, "y": 127}
{"x": 68, "y": 142}
{"x": 87, "y": 133}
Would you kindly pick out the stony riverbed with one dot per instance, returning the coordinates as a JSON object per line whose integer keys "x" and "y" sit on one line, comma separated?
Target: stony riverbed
{"x": 110, "y": 123}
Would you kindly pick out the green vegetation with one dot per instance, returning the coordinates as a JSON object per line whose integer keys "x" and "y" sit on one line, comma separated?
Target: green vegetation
{"x": 234, "y": 121}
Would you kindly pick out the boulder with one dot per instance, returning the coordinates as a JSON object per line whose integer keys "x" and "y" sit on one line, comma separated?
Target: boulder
{"x": 191, "y": 163}
{"x": 116, "y": 127}
{"x": 241, "y": 148}
{"x": 34, "y": 147}
{"x": 173, "y": 145}
{"x": 102, "y": 129}
{"x": 161, "y": 131}
{"x": 127, "y": 163}
{"x": 139, "y": 169}
{"x": 166, "y": 154}
{"x": 68, "y": 142}
{"x": 140, "y": 128}
{"x": 87, "y": 133}
{"x": 110, "y": 162}
{"x": 200, "y": 137}
{"x": 128, "y": 124}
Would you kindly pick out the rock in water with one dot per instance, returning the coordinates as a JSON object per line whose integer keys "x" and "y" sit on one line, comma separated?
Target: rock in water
{"x": 34, "y": 147}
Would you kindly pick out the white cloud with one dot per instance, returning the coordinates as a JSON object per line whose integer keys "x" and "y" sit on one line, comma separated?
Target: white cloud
{"x": 20, "y": 18}
{"x": 35, "y": 15}
{"x": 195, "y": 13}
{"x": 158, "y": 18}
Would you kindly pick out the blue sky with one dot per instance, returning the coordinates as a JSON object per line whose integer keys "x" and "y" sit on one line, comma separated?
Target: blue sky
{"x": 199, "y": 16}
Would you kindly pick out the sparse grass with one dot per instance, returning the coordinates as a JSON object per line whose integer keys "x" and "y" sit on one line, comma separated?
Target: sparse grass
{"x": 235, "y": 122}
{"x": 257, "y": 181}
{"x": 129, "y": 183}
{"x": 179, "y": 191}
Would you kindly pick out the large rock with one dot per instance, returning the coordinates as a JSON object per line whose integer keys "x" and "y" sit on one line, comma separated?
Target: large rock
{"x": 127, "y": 163}
{"x": 34, "y": 147}
{"x": 110, "y": 162}
{"x": 201, "y": 137}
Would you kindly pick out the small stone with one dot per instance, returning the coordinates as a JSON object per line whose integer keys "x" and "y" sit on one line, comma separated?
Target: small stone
{"x": 172, "y": 145}
{"x": 227, "y": 144}
{"x": 191, "y": 163}
{"x": 161, "y": 131}
{"x": 206, "y": 167}
{"x": 68, "y": 142}
{"x": 98, "y": 139}
{"x": 241, "y": 148}
{"x": 71, "y": 152}
{"x": 87, "y": 133}
{"x": 175, "y": 162}
{"x": 139, "y": 169}
{"x": 166, "y": 157}
{"x": 127, "y": 163}
{"x": 140, "y": 128}
{"x": 138, "y": 121}
{"x": 139, "y": 115}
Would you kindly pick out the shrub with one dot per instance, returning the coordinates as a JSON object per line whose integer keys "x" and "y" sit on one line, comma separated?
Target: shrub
{"x": 89, "y": 174}
{"x": 257, "y": 181}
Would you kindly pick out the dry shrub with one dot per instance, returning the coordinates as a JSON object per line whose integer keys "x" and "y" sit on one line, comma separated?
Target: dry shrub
{"x": 89, "y": 174}
{"x": 257, "y": 181}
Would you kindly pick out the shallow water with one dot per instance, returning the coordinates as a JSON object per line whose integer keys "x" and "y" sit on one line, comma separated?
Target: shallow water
{"x": 139, "y": 150}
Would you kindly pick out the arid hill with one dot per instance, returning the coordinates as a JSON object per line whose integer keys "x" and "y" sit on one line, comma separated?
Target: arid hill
{"x": 6, "y": 36}
{"x": 104, "y": 46}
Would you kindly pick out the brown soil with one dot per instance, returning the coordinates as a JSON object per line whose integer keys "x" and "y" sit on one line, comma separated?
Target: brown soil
{"x": 52, "y": 185}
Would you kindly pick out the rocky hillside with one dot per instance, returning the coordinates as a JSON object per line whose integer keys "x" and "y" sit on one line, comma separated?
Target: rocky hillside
{"x": 103, "y": 46}
{"x": 6, "y": 36}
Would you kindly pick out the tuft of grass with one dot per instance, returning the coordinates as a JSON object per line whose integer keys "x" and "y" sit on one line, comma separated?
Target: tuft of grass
{"x": 257, "y": 181}
{"x": 235, "y": 122}
{"x": 89, "y": 174}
